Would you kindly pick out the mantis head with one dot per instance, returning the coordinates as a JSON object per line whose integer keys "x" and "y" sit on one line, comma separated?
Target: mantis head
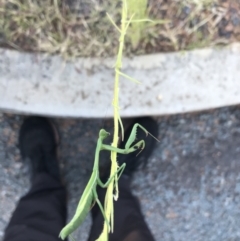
{"x": 103, "y": 134}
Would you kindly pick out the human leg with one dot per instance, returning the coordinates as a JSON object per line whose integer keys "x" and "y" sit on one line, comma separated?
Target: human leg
{"x": 41, "y": 213}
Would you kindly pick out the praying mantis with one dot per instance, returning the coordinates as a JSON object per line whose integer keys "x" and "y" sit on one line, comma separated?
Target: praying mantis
{"x": 89, "y": 196}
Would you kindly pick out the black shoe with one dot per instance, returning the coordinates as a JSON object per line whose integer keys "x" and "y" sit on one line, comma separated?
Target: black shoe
{"x": 138, "y": 158}
{"x": 38, "y": 142}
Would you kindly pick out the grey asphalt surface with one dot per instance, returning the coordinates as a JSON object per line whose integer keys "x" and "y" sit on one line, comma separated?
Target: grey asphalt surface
{"x": 189, "y": 190}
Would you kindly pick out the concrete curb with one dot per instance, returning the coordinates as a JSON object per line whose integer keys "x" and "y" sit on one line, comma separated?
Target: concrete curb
{"x": 170, "y": 83}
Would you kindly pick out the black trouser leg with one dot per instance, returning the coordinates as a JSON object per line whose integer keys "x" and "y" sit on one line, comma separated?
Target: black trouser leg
{"x": 129, "y": 224}
{"x": 41, "y": 214}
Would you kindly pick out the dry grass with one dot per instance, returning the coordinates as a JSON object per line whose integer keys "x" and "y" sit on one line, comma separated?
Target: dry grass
{"x": 75, "y": 29}
{"x": 50, "y": 26}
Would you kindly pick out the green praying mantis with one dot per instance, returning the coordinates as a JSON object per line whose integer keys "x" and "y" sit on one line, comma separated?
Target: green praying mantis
{"x": 89, "y": 196}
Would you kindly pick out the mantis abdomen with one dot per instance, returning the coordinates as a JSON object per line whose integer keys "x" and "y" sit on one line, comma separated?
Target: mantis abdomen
{"x": 81, "y": 213}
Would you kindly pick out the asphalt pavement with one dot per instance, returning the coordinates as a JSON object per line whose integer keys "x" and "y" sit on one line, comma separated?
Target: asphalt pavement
{"x": 189, "y": 190}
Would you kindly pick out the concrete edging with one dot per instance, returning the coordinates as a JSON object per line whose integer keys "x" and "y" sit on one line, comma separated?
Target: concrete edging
{"x": 170, "y": 83}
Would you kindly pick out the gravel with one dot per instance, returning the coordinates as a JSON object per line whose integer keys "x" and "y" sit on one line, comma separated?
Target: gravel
{"x": 190, "y": 189}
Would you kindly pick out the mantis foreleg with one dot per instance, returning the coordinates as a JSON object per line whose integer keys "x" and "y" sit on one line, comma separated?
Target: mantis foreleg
{"x": 133, "y": 135}
{"x": 138, "y": 145}
{"x": 131, "y": 139}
